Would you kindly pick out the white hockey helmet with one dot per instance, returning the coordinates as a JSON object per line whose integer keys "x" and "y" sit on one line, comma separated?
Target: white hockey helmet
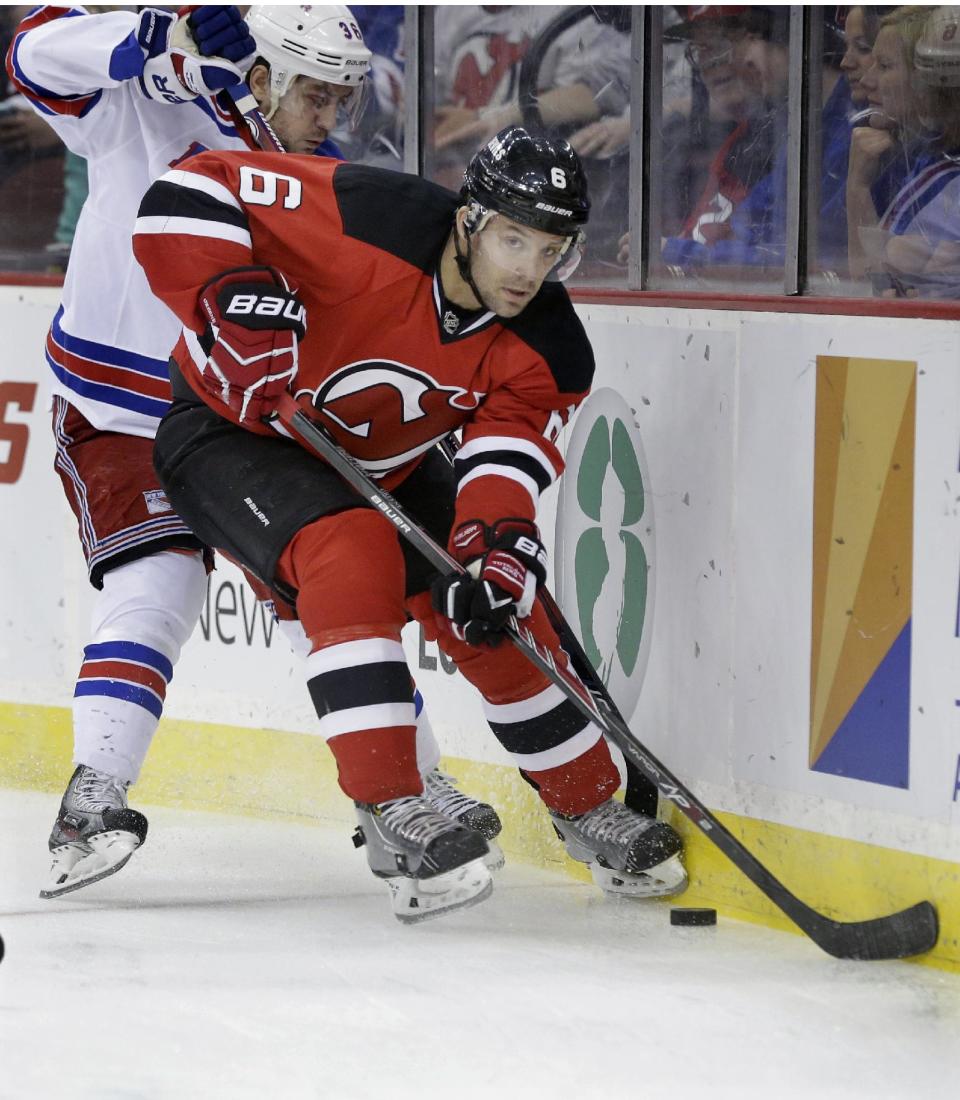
{"x": 322, "y": 42}
{"x": 936, "y": 58}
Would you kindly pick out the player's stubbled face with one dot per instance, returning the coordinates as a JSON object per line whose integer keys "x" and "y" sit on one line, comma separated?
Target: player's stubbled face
{"x": 510, "y": 262}
{"x": 307, "y": 114}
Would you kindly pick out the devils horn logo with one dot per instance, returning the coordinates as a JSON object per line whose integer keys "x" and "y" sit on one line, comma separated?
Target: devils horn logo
{"x": 387, "y": 413}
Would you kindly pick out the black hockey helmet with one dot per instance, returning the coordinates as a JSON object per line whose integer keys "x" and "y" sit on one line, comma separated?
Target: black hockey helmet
{"x": 535, "y": 179}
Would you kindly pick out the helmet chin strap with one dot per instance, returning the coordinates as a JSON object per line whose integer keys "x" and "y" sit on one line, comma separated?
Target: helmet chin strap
{"x": 465, "y": 269}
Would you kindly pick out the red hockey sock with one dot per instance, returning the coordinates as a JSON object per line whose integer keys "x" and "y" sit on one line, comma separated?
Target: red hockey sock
{"x": 580, "y": 784}
{"x": 377, "y": 765}
{"x": 348, "y": 572}
{"x": 506, "y": 676}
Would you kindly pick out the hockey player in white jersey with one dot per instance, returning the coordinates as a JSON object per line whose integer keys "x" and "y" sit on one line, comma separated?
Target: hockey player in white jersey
{"x": 134, "y": 94}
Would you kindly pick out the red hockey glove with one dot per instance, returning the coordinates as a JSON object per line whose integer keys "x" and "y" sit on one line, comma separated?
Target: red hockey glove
{"x": 255, "y": 323}
{"x": 506, "y": 563}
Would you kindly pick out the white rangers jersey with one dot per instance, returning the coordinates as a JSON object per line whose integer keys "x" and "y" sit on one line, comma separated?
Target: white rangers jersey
{"x": 111, "y": 339}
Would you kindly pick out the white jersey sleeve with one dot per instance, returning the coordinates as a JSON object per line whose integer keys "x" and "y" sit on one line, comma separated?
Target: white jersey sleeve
{"x": 110, "y": 341}
{"x": 63, "y": 60}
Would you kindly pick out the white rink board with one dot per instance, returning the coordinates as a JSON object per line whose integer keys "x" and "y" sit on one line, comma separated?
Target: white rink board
{"x": 724, "y": 404}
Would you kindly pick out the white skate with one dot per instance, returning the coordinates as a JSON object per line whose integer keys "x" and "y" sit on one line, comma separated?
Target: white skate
{"x": 628, "y": 853}
{"x": 431, "y": 863}
{"x": 445, "y": 797}
{"x": 95, "y": 833}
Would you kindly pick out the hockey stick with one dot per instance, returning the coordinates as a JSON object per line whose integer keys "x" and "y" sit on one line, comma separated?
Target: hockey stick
{"x": 640, "y": 793}
{"x": 261, "y": 131}
{"x": 911, "y": 931}
{"x": 899, "y": 935}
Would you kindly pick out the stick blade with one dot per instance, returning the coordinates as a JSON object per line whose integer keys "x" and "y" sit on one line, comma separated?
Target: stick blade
{"x": 900, "y": 935}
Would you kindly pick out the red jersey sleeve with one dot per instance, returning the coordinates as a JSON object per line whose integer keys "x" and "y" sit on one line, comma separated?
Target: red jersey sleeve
{"x": 538, "y": 373}
{"x": 191, "y": 226}
{"x": 225, "y": 210}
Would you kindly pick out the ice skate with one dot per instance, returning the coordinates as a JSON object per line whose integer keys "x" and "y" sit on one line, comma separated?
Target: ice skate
{"x": 440, "y": 790}
{"x": 431, "y": 863}
{"x": 95, "y": 832}
{"x": 629, "y": 854}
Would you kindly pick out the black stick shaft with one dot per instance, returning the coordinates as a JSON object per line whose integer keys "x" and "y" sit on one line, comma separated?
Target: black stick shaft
{"x": 909, "y": 932}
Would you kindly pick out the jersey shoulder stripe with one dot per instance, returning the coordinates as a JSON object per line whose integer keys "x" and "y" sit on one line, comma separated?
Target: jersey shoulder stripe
{"x": 404, "y": 215}
{"x": 181, "y": 194}
{"x": 108, "y": 375}
{"x": 550, "y": 326}
{"x": 46, "y": 101}
{"x": 195, "y": 205}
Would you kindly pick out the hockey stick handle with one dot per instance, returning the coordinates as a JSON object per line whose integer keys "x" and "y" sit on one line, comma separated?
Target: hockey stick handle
{"x": 260, "y": 130}
{"x": 909, "y": 932}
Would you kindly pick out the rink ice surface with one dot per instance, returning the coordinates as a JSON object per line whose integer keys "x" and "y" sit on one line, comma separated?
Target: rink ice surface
{"x": 235, "y": 957}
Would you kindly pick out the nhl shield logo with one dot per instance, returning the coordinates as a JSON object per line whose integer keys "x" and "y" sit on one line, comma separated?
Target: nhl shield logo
{"x": 451, "y": 322}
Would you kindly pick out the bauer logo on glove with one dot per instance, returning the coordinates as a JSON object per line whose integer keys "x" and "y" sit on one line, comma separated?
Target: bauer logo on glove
{"x": 255, "y": 323}
{"x": 261, "y": 310}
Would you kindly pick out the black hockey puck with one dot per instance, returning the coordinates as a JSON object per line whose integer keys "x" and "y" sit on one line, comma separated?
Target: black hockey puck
{"x": 693, "y": 918}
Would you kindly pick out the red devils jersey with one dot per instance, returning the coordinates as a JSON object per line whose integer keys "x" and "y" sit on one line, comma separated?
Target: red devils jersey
{"x": 386, "y": 365}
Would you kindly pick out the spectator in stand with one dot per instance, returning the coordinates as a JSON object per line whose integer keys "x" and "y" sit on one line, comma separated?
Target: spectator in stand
{"x": 740, "y": 55}
{"x": 756, "y": 233}
{"x": 912, "y": 248}
{"x": 478, "y": 54}
{"x": 31, "y": 168}
{"x": 843, "y": 110}
{"x": 860, "y": 32}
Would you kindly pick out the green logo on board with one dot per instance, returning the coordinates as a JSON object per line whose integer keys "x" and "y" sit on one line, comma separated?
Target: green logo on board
{"x": 604, "y": 540}
{"x": 609, "y": 448}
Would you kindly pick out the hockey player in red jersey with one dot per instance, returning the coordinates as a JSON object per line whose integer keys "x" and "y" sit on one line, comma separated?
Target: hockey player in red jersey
{"x": 133, "y": 93}
{"x": 395, "y": 312}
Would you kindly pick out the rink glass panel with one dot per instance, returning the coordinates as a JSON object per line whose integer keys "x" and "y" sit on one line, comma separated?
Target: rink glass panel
{"x": 654, "y": 102}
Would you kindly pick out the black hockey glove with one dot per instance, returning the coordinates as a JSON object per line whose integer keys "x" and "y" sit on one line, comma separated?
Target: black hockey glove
{"x": 506, "y": 564}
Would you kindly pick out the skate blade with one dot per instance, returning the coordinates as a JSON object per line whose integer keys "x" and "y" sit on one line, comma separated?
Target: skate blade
{"x": 494, "y": 859}
{"x": 77, "y": 865}
{"x": 663, "y": 881}
{"x": 416, "y": 900}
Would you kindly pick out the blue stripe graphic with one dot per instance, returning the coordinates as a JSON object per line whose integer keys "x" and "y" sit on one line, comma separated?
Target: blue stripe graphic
{"x": 126, "y": 60}
{"x": 130, "y": 651}
{"x": 129, "y": 693}
{"x": 109, "y": 395}
{"x": 104, "y": 353}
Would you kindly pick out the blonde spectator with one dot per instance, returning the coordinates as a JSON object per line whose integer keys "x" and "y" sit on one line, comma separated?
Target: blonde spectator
{"x": 912, "y": 248}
